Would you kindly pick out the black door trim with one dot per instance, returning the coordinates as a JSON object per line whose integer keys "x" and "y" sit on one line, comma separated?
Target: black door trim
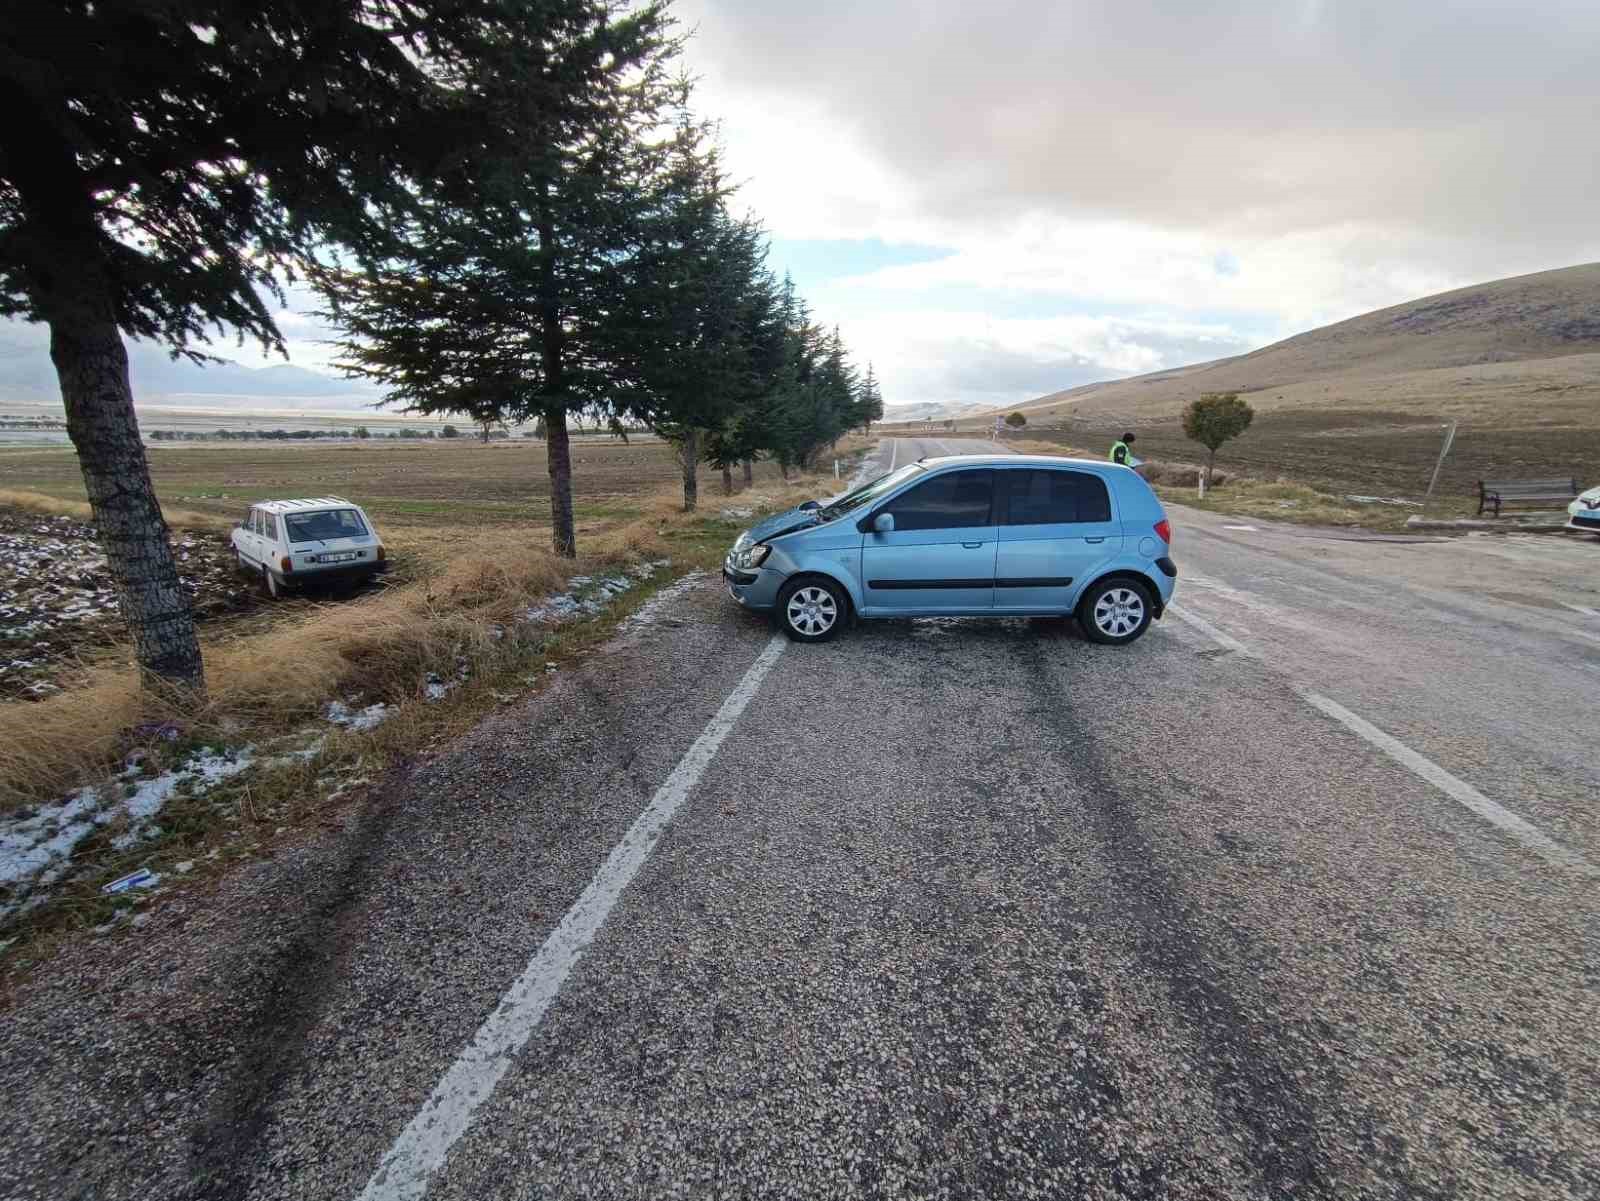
{"x": 1043, "y": 581}
{"x": 910, "y": 585}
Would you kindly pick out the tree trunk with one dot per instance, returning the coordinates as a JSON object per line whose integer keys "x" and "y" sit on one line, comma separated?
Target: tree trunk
{"x": 1211, "y": 459}
{"x": 689, "y": 452}
{"x": 558, "y": 447}
{"x": 92, "y": 365}
{"x": 783, "y": 469}
{"x": 727, "y": 479}
{"x": 558, "y": 458}
{"x": 749, "y": 477}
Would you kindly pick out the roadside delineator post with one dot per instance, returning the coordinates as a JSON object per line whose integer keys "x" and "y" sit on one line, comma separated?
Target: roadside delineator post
{"x": 1449, "y": 440}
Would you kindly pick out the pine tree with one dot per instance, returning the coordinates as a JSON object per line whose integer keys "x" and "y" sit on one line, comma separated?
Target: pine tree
{"x": 683, "y": 353}
{"x": 162, "y": 166}
{"x": 498, "y": 306}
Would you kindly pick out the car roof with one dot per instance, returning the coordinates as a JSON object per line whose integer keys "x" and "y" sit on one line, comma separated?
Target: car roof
{"x": 302, "y": 506}
{"x": 1016, "y": 461}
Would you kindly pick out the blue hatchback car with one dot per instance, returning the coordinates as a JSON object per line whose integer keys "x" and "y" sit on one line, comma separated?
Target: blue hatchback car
{"x": 966, "y": 536}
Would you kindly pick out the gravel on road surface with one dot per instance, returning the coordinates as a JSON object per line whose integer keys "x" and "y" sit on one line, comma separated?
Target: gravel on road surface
{"x": 958, "y": 908}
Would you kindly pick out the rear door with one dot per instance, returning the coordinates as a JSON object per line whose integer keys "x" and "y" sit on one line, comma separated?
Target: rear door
{"x": 250, "y": 537}
{"x": 939, "y": 558}
{"x": 1057, "y": 529}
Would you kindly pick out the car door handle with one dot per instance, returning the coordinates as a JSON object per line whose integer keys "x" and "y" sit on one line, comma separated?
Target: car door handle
{"x": 972, "y": 545}
{"x": 1094, "y": 539}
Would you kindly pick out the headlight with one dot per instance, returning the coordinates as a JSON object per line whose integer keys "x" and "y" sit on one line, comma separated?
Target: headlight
{"x": 751, "y": 556}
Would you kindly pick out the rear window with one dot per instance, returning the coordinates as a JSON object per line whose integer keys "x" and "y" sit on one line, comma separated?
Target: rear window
{"x": 1050, "y": 497}
{"x": 321, "y": 526}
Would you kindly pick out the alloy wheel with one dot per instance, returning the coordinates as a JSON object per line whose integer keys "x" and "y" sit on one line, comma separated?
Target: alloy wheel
{"x": 812, "y": 611}
{"x": 1119, "y": 612}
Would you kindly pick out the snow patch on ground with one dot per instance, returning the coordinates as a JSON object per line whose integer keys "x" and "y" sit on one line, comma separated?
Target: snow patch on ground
{"x": 650, "y": 613}
{"x": 341, "y": 714}
{"x": 589, "y": 596}
{"x": 36, "y": 845}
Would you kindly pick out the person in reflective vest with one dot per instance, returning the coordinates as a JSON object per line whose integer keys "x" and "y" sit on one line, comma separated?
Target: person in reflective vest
{"x": 1120, "y": 452}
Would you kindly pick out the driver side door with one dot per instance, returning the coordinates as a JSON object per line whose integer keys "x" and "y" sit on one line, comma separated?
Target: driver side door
{"x": 940, "y": 556}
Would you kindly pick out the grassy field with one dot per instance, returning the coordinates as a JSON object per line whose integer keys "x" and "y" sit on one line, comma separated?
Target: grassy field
{"x": 448, "y": 636}
{"x": 1366, "y": 452}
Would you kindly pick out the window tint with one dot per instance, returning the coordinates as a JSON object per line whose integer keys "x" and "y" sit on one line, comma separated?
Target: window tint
{"x": 269, "y": 527}
{"x": 955, "y": 500}
{"x": 255, "y": 521}
{"x": 1056, "y": 497}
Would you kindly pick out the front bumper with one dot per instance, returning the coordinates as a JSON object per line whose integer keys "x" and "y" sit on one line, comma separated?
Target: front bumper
{"x": 1588, "y": 521}
{"x": 756, "y": 590}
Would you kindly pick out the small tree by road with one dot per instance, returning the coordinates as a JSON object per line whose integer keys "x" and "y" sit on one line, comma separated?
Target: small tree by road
{"x": 449, "y": 431}
{"x": 1016, "y": 421}
{"x": 1215, "y": 418}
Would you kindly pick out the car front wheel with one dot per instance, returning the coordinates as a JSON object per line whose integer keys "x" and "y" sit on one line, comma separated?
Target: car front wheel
{"x": 812, "y": 610}
{"x": 1115, "y": 612}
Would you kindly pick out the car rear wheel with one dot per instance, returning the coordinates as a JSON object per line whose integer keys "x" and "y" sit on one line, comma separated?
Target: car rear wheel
{"x": 1115, "y": 612}
{"x": 812, "y": 610}
{"x": 270, "y": 583}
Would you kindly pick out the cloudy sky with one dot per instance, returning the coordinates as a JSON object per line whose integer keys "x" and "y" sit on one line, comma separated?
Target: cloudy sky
{"x": 996, "y": 200}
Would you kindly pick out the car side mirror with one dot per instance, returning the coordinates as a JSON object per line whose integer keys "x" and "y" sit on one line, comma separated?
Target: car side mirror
{"x": 811, "y": 504}
{"x": 883, "y": 523}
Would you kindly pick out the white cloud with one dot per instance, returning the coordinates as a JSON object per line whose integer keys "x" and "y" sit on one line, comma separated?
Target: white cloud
{"x": 1089, "y": 154}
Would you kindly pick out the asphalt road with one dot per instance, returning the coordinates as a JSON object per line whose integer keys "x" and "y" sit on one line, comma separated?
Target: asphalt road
{"x": 1294, "y": 897}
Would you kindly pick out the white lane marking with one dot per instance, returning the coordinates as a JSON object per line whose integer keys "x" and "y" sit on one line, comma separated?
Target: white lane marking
{"x": 1584, "y": 609}
{"x": 1210, "y": 631}
{"x": 420, "y": 1150}
{"x": 1249, "y": 528}
{"x": 894, "y": 449}
{"x": 1457, "y": 790}
{"x": 1590, "y": 637}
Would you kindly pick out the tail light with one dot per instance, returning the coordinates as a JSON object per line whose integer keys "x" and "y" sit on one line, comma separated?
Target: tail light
{"x": 287, "y": 564}
{"x": 380, "y": 553}
{"x": 1164, "y": 528}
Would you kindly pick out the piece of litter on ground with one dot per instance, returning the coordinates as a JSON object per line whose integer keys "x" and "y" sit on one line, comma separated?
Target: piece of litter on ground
{"x": 143, "y": 878}
{"x": 184, "y": 868}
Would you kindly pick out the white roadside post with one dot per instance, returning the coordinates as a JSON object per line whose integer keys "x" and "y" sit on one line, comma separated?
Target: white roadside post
{"x": 1449, "y": 439}
{"x": 836, "y": 469}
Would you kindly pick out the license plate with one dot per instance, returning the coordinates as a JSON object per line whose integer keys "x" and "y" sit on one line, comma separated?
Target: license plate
{"x": 339, "y": 558}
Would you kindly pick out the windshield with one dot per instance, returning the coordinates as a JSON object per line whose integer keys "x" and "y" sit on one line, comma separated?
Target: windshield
{"x": 319, "y": 527}
{"x": 870, "y": 491}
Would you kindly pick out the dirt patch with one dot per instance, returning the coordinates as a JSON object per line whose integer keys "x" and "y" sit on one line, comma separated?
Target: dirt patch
{"x": 58, "y": 604}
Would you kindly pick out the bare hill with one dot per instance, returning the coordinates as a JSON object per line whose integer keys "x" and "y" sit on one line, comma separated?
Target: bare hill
{"x": 1497, "y": 352}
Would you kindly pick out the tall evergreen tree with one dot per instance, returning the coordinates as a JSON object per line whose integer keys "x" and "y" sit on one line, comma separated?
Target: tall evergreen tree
{"x": 497, "y": 305}
{"x": 162, "y": 165}
{"x": 684, "y": 351}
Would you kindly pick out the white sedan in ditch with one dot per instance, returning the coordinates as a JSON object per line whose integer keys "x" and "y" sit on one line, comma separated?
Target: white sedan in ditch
{"x": 290, "y": 544}
{"x": 1584, "y": 513}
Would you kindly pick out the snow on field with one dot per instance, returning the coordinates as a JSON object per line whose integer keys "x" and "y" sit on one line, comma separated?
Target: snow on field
{"x": 36, "y": 845}
{"x": 57, "y": 595}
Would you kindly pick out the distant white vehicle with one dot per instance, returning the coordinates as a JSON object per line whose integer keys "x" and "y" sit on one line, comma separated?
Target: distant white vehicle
{"x": 1584, "y": 513}
{"x": 289, "y": 544}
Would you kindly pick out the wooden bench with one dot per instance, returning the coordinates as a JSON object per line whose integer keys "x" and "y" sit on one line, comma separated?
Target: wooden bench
{"x": 1495, "y": 493}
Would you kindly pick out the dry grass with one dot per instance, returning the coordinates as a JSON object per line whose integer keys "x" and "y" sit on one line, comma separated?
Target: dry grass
{"x": 265, "y": 680}
{"x": 54, "y": 506}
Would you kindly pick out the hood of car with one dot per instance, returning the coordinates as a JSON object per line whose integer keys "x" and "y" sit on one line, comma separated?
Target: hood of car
{"x": 1587, "y": 501}
{"x": 776, "y": 526}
